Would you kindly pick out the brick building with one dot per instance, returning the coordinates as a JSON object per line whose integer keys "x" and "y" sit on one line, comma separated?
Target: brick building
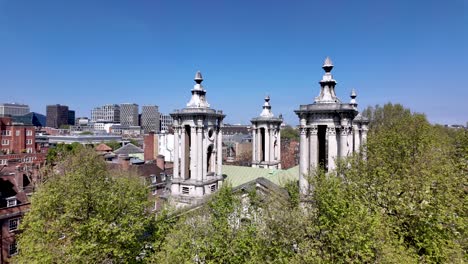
{"x": 16, "y": 138}
{"x": 18, "y": 178}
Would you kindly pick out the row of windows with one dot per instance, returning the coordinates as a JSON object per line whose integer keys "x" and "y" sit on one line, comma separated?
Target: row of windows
{"x": 6, "y": 142}
{"x": 7, "y": 151}
{"x": 18, "y": 132}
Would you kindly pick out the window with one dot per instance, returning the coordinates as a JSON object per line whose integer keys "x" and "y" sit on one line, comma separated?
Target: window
{"x": 213, "y": 188}
{"x": 12, "y": 249}
{"x": 18, "y": 133}
{"x": 29, "y": 150}
{"x": 153, "y": 179}
{"x": 185, "y": 190}
{"x": 28, "y": 132}
{"x": 28, "y": 141}
{"x": 155, "y": 191}
{"x": 11, "y": 201}
{"x": 4, "y": 162}
{"x": 13, "y": 224}
{"x": 6, "y": 151}
{"x": 5, "y": 142}
{"x": 6, "y": 133}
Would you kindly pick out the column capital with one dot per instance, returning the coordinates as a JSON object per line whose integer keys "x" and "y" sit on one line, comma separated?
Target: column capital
{"x": 313, "y": 130}
{"x": 331, "y": 130}
{"x": 345, "y": 130}
{"x": 303, "y": 130}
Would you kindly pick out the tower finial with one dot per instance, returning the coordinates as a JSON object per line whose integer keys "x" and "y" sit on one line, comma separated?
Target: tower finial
{"x": 353, "y": 96}
{"x": 327, "y": 64}
{"x": 266, "y": 112}
{"x": 198, "y": 77}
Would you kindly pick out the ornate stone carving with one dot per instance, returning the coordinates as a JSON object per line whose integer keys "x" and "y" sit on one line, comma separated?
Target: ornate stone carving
{"x": 313, "y": 130}
{"x": 331, "y": 131}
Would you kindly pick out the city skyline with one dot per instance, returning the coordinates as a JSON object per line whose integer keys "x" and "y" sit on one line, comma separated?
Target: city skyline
{"x": 88, "y": 54}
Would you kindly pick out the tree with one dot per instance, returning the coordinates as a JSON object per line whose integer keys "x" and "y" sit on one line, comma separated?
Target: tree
{"x": 290, "y": 133}
{"x": 85, "y": 213}
{"x": 411, "y": 177}
{"x": 114, "y": 144}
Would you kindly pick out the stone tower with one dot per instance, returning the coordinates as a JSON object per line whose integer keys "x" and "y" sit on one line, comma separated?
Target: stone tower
{"x": 266, "y": 139}
{"x": 198, "y": 132}
{"x": 329, "y": 129}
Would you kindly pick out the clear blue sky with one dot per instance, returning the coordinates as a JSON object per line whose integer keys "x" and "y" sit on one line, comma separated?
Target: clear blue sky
{"x": 86, "y": 53}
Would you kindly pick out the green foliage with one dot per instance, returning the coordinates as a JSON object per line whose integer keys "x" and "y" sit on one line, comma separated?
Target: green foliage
{"x": 85, "y": 213}
{"x": 290, "y": 133}
{"x": 86, "y": 133}
{"x": 411, "y": 176}
{"x": 61, "y": 150}
{"x": 114, "y": 144}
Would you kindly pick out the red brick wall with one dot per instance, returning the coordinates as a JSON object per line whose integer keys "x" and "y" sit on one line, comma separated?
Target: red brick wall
{"x": 17, "y": 138}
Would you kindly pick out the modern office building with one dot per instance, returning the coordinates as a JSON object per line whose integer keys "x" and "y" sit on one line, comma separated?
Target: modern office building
{"x": 129, "y": 114}
{"x": 150, "y": 118}
{"x": 71, "y": 117}
{"x": 13, "y": 109}
{"x": 33, "y": 118}
{"x": 165, "y": 122}
{"x": 106, "y": 113}
{"x": 57, "y": 115}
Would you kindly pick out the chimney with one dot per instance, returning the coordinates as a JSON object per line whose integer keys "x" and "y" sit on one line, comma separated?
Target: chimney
{"x": 160, "y": 163}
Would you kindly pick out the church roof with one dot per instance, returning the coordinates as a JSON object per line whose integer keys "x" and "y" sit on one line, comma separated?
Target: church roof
{"x": 128, "y": 149}
{"x": 238, "y": 175}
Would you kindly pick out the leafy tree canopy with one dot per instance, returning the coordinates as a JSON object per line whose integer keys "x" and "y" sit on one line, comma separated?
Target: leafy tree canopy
{"x": 85, "y": 213}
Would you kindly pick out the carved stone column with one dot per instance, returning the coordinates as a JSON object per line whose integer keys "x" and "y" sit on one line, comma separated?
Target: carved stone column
{"x": 200, "y": 151}
{"x": 313, "y": 146}
{"x": 254, "y": 142}
{"x": 303, "y": 162}
{"x": 357, "y": 138}
{"x": 219, "y": 161}
{"x": 344, "y": 141}
{"x": 176, "y": 152}
{"x": 332, "y": 147}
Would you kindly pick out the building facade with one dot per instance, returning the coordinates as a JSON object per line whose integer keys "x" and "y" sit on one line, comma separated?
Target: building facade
{"x": 329, "y": 129}
{"x": 129, "y": 114}
{"x": 150, "y": 118}
{"x": 165, "y": 122}
{"x": 16, "y": 138}
{"x": 71, "y": 117}
{"x": 13, "y": 109}
{"x": 198, "y": 131}
{"x": 57, "y": 115}
{"x": 106, "y": 113}
{"x": 266, "y": 139}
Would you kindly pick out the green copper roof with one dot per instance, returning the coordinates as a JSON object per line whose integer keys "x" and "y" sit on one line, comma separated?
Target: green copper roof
{"x": 238, "y": 175}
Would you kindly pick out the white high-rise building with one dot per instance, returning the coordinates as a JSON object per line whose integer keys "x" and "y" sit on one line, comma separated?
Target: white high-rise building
{"x": 129, "y": 114}
{"x": 166, "y": 122}
{"x": 109, "y": 113}
{"x": 14, "y": 109}
{"x": 198, "y": 131}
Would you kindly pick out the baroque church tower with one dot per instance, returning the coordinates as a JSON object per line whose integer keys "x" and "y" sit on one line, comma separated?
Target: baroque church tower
{"x": 329, "y": 129}
{"x": 266, "y": 139}
{"x": 198, "y": 137}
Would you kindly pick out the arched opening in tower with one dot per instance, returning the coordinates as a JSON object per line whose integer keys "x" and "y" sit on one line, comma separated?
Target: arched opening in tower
{"x": 209, "y": 163}
{"x": 188, "y": 144}
{"x": 262, "y": 144}
{"x": 322, "y": 147}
